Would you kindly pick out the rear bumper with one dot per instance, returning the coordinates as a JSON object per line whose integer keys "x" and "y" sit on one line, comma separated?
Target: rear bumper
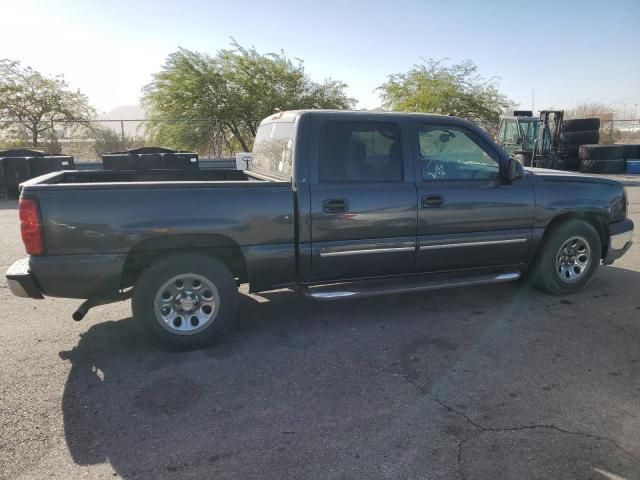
{"x": 21, "y": 282}
{"x": 68, "y": 276}
{"x": 620, "y": 240}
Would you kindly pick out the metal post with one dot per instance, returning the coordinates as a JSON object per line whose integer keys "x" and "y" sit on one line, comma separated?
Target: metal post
{"x": 124, "y": 145}
{"x": 611, "y": 131}
{"x": 52, "y": 147}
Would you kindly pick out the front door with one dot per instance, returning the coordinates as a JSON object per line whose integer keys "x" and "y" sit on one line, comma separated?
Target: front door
{"x": 363, "y": 201}
{"x": 468, "y": 217}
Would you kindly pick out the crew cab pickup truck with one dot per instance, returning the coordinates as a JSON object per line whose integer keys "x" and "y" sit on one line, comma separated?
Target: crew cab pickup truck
{"x": 335, "y": 204}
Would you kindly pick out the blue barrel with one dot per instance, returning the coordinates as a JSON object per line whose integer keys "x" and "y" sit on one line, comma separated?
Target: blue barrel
{"x": 633, "y": 167}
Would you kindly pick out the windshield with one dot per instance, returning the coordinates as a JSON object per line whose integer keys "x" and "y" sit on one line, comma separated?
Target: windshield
{"x": 529, "y": 133}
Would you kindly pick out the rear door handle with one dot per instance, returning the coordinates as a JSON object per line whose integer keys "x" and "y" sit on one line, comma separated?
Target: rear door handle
{"x": 432, "y": 201}
{"x": 335, "y": 205}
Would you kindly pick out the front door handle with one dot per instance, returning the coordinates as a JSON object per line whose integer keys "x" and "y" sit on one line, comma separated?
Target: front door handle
{"x": 432, "y": 201}
{"x": 335, "y": 205}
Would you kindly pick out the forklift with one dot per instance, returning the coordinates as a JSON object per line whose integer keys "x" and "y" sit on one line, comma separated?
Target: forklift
{"x": 534, "y": 141}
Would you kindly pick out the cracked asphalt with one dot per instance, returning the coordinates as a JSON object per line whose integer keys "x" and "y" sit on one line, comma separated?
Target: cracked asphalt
{"x": 494, "y": 382}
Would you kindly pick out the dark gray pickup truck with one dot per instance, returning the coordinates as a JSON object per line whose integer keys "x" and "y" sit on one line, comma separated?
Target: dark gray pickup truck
{"x": 336, "y": 204}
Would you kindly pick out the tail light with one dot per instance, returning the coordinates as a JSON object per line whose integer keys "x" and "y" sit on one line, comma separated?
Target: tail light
{"x": 31, "y": 226}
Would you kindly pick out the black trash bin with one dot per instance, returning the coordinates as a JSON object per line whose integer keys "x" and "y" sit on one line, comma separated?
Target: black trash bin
{"x": 150, "y": 158}
{"x": 66, "y": 161}
{"x": 150, "y": 161}
{"x": 180, "y": 161}
{"x": 51, "y": 163}
{"x": 150, "y": 150}
{"x": 120, "y": 161}
{"x": 21, "y": 152}
{"x": 16, "y": 171}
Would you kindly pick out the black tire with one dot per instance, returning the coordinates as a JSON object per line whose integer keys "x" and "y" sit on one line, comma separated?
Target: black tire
{"x": 631, "y": 152}
{"x": 544, "y": 274}
{"x": 581, "y": 125}
{"x": 571, "y": 141}
{"x": 153, "y": 278}
{"x": 617, "y": 165}
{"x": 601, "y": 152}
{"x": 573, "y": 162}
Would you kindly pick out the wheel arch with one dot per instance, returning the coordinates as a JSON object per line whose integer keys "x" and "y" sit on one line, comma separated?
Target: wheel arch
{"x": 147, "y": 251}
{"x": 595, "y": 219}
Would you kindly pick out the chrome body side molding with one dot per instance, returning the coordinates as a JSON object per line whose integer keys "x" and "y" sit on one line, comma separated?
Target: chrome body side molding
{"x": 473, "y": 244}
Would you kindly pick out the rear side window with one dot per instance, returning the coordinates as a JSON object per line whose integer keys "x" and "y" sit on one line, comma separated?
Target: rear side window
{"x": 272, "y": 149}
{"x": 360, "y": 152}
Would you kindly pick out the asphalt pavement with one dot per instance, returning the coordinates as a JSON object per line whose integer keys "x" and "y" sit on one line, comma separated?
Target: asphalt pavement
{"x": 493, "y": 382}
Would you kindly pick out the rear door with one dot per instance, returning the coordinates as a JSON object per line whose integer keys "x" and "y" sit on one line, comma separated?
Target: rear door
{"x": 363, "y": 200}
{"x": 468, "y": 216}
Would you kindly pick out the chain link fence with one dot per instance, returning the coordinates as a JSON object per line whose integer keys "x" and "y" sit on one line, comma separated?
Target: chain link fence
{"x": 620, "y": 131}
{"x": 87, "y": 141}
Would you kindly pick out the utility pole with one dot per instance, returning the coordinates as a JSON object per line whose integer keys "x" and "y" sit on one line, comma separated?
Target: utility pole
{"x": 533, "y": 93}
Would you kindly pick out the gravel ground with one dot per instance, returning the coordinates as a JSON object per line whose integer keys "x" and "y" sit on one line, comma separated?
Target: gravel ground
{"x": 495, "y": 382}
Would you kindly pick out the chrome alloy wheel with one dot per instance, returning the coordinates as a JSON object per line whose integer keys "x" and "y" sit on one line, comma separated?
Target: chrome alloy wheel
{"x": 186, "y": 304}
{"x": 573, "y": 259}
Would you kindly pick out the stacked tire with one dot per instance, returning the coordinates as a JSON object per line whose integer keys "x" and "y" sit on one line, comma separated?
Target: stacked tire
{"x": 577, "y": 132}
{"x": 602, "y": 158}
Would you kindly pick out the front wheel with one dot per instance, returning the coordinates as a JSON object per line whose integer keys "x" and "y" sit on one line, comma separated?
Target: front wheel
{"x": 185, "y": 300}
{"x": 568, "y": 258}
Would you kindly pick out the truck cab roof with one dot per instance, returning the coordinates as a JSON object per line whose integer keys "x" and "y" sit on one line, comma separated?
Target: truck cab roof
{"x": 293, "y": 115}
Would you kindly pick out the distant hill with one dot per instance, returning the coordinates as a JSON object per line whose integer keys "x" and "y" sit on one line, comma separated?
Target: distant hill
{"x": 124, "y": 112}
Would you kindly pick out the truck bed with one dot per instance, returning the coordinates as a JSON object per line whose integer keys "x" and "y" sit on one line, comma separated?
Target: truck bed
{"x": 98, "y": 221}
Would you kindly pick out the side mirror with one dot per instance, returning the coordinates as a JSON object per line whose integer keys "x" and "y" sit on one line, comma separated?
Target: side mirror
{"x": 515, "y": 170}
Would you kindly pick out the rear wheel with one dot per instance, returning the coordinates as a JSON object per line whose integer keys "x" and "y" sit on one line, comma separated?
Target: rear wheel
{"x": 568, "y": 257}
{"x": 187, "y": 301}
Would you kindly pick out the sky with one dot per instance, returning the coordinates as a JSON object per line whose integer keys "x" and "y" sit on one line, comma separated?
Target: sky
{"x": 568, "y": 52}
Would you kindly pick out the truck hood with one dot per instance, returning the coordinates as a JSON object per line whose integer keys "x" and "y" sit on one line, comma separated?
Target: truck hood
{"x": 563, "y": 176}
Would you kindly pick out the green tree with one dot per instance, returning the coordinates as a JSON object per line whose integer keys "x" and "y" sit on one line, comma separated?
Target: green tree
{"x": 32, "y": 103}
{"x": 236, "y": 88}
{"x": 459, "y": 90}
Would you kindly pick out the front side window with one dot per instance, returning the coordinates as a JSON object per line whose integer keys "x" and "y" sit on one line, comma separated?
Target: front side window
{"x": 272, "y": 149}
{"x": 360, "y": 152}
{"x": 449, "y": 153}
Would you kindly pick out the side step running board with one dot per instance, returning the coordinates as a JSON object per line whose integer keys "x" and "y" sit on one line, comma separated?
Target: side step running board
{"x": 367, "y": 289}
